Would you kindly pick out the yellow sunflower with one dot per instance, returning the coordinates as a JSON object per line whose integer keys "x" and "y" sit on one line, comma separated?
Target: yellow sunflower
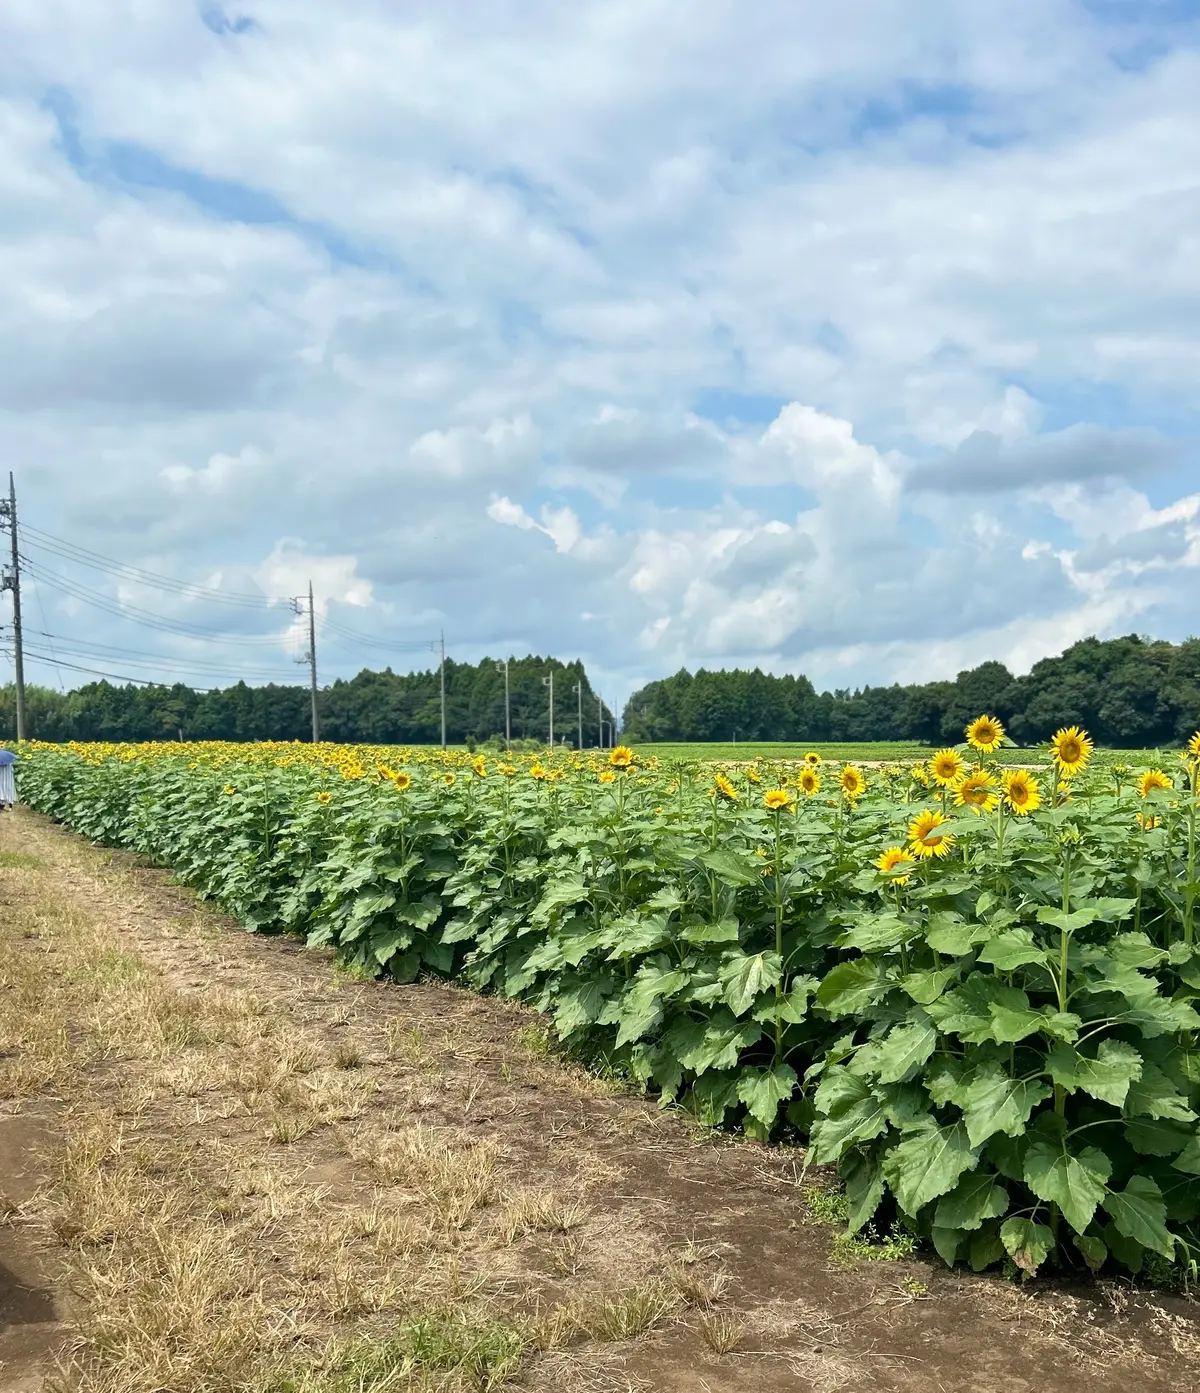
{"x": 509, "y": 771}
{"x": 853, "y": 781}
{"x": 324, "y": 797}
{"x": 812, "y": 758}
{"x": 402, "y": 780}
{"x": 1147, "y": 821}
{"x": 753, "y": 775}
{"x": 229, "y": 789}
{"x": 450, "y": 779}
{"x": 947, "y": 768}
{"x": 537, "y": 771}
{"x": 923, "y": 838}
{"x": 809, "y": 781}
{"x": 479, "y": 767}
{"x": 977, "y": 791}
{"x": 622, "y": 757}
{"x": 1152, "y": 779}
{"x": 607, "y": 776}
{"x": 1021, "y": 793}
{"x": 1193, "y": 746}
{"x": 1071, "y": 748}
{"x": 985, "y": 734}
{"x": 920, "y": 773}
{"x": 776, "y": 799}
{"x": 894, "y": 856}
{"x": 725, "y": 788}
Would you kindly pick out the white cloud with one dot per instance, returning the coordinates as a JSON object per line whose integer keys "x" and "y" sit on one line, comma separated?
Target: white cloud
{"x": 348, "y": 279}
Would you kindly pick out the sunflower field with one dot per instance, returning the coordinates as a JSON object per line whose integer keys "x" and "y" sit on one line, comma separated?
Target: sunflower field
{"x": 970, "y": 986}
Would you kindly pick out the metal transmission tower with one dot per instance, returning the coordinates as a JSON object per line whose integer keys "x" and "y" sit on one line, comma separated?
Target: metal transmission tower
{"x": 549, "y": 682}
{"x": 11, "y": 580}
{"x": 311, "y": 659}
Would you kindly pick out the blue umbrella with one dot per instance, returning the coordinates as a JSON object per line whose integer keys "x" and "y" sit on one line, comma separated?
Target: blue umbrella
{"x": 7, "y": 757}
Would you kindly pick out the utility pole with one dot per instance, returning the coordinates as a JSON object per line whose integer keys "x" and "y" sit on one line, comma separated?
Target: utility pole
{"x": 549, "y": 682}
{"x": 600, "y": 719}
{"x": 503, "y": 667}
{"x": 579, "y": 694}
{"x": 442, "y": 685}
{"x": 12, "y": 581}
{"x": 311, "y": 658}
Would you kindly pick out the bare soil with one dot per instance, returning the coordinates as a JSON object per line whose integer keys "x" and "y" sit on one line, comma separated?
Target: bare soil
{"x": 224, "y": 1165}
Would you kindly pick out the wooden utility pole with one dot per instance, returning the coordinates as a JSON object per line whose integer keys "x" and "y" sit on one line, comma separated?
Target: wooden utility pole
{"x": 12, "y": 581}
{"x": 312, "y": 663}
{"x": 549, "y": 682}
{"x": 442, "y": 684}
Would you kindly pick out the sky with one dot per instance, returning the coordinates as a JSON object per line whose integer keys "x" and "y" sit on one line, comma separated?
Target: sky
{"x": 857, "y": 340}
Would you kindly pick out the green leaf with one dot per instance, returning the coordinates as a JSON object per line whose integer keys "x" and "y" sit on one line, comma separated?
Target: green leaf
{"x": 1152, "y": 1136}
{"x": 713, "y": 1096}
{"x": 1188, "y": 1160}
{"x": 1140, "y": 1213}
{"x": 702, "y": 931}
{"x": 762, "y": 1091}
{"x": 992, "y": 1101}
{"x": 1093, "y": 1250}
{"x": 928, "y": 1163}
{"x": 975, "y": 1198}
{"x": 579, "y": 1004}
{"x": 1027, "y": 1243}
{"x": 730, "y": 868}
{"x": 1154, "y": 1095}
{"x": 947, "y": 1242}
{"x": 863, "y": 1177}
{"x": 745, "y": 975}
{"x": 948, "y": 933}
{"x": 925, "y": 987}
{"x": 640, "y": 1007}
{"x": 721, "y": 1045}
{"x": 847, "y": 1112}
{"x": 561, "y": 892}
{"x": 1067, "y": 923}
{"x": 986, "y": 1249}
{"x": 1106, "y": 1077}
{"x": 873, "y": 933}
{"x": 1012, "y": 949}
{"x": 1076, "y": 1184}
{"x": 905, "y": 1049}
{"x": 851, "y": 987}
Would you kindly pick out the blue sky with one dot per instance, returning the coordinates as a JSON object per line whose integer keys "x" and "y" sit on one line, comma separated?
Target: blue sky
{"x": 859, "y": 340}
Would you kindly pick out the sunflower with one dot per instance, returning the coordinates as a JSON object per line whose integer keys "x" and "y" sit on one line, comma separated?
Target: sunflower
{"x": 229, "y": 789}
{"x": 894, "y": 856}
{"x": 725, "y": 788}
{"x": 509, "y": 771}
{"x": 1071, "y": 748}
{"x": 977, "y": 791}
{"x": 537, "y": 771}
{"x": 1021, "y": 795}
{"x": 1147, "y": 821}
{"x": 853, "y": 782}
{"x": 753, "y": 775}
{"x": 479, "y": 767}
{"x": 324, "y": 797}
{"x": 1153, "y": 779}
{"x": 402, "y": 780}
{"x": 809, "y": 781}
{"x": 622, "y": 757}
{"x": 812, "y": 758}
{"x": 920, "y": 773}
{"x": 947, "y": 768}
{"x": 1193, "y": 746}
{"x": 923, "y": 840}
{"x": 607, "y": 776}
{"x": 776, "y": 799}
{"x": 450, "y": 778}
{"x": 985, "y": 734}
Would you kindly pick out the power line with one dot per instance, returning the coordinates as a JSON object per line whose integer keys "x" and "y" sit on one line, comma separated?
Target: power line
{"x": 191, "y": 589}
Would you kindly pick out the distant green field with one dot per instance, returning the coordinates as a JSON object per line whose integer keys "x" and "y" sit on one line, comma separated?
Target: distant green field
{"x": 870, "y": 751}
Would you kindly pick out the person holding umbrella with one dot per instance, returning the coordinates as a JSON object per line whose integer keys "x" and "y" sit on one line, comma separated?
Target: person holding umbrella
{"x": 8, "y": 787}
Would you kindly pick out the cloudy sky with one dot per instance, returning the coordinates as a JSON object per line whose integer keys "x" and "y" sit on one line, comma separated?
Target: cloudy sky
{"x": 860, "y": 340}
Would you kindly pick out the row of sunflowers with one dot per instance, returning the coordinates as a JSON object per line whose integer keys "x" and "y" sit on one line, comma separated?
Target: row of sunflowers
{"x": 968, "y": 984}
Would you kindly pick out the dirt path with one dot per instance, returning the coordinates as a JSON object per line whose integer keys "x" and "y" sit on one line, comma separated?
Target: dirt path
{"x": 259, "y": 1171}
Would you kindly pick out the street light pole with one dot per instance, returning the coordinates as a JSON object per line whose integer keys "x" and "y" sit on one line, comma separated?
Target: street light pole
{"x": 503, "y": 667}
{"x": 549, "y": 682}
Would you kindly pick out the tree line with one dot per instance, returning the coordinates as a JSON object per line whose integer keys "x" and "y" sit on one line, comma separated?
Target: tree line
{"x": 375, "y": 708}
{"x": 1131, "y": 692}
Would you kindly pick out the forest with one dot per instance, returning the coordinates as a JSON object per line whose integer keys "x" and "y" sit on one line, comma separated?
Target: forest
{"x": 1131, "y": 692}
{"x": 372, "y": 708}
